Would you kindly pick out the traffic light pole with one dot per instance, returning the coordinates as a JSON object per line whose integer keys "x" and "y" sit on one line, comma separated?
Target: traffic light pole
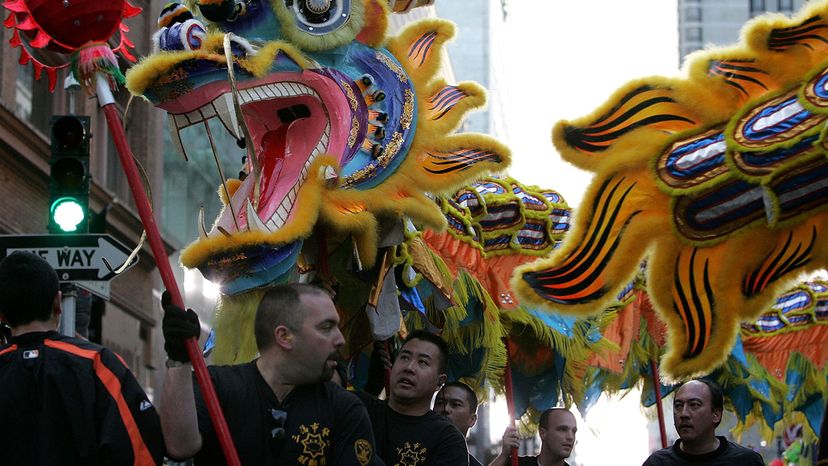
{"x": 116, "y": 128}
{"x": 68, "y": 308}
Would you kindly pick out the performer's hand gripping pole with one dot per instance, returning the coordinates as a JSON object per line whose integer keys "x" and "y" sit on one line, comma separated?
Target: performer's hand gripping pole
{"x": 116, "y": 129}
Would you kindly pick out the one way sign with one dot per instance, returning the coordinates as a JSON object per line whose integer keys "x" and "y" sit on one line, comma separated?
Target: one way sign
{"x": 75, "y": 258}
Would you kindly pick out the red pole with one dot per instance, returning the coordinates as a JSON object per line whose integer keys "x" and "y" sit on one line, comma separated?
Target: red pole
{"x": 116, "y": 128}
{"x": 510, "y": 400}
{"x": 659, "y": 408}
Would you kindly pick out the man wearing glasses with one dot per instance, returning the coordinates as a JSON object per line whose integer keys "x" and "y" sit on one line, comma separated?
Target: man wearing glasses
{"x": 281, "y": 408}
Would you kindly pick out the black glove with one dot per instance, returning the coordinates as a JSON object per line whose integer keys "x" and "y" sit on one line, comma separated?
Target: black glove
{"x": 178, "y": 325}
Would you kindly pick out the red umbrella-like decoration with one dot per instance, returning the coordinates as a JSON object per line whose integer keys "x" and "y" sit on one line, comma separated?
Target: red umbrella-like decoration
{"x": 81, "y": 29}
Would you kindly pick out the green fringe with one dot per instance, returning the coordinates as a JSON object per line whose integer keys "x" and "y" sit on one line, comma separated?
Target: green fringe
{"x": 235, "y": 337}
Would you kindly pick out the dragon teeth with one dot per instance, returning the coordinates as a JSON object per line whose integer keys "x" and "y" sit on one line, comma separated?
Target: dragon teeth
{"x": 226, "y": 112}
{"x": 202, "y": 228}
{"x": 254, "y": 223}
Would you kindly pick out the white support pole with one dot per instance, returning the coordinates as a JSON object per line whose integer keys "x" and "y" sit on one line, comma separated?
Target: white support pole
{"x": 67, "y": 306}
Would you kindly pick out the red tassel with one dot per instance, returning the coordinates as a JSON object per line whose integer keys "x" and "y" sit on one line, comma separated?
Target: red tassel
{"x": 128, "y": 56}
{"x": 42, "y": 40}
{"x": 28, "y": 24}
{"x": 52, "y": 74}
{"x": 10, "y": 21}
{"x": 92, "y": 59}
{"x": 17, "y": 6}
{"x": 130, "y": 10}
{"x": 24, "y": 57}
{"x": 15, "y": 39}
{"x": 38, "y": 69}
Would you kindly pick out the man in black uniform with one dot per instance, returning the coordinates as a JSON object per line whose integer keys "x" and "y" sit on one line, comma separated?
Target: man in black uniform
{"x": 697, "y": 411}
{"x": 458, "y": 402}
{"x": 407, "y": 431}
{"x": 557, "y": 428}
{"x": 281, "y": 409}
{"x": 64, "y": 400}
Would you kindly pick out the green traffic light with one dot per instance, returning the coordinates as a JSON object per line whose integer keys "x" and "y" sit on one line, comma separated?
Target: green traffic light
{"x": 69, "y": 175}
{"x": 67, "y": 213}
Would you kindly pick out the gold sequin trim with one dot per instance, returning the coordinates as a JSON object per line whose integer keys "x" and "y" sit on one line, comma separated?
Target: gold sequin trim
{"x": 391, "y": 149}
{"x": 388, "y": 154}
{"x": 354, "y": 131}
{"x": 392, "y": 66}
{"x": 408, "y": 109}
{"x": 351, "y": 97}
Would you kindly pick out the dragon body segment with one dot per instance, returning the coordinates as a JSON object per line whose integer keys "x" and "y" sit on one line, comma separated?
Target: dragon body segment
{"x": 717, "y": 179}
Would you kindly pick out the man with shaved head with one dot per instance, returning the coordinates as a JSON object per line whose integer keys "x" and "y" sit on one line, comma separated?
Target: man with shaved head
{"x": 697, "y": 411}
{"x": 556, "y": 427}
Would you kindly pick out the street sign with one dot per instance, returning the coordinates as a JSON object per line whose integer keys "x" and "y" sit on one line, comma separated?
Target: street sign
{"x": 75, "y": 258}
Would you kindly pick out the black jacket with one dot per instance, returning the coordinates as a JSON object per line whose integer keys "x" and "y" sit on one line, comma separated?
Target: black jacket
{"x": 66, "y": 401}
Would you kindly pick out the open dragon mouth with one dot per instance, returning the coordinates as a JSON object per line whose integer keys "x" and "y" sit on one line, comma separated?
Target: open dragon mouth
{"x": 288, "y": 118}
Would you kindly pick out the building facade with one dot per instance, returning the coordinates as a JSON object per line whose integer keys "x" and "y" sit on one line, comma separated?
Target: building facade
{"x": 129, "y": 322}
{"x": 477, "y": 55}
{"x": 703, "y": 22}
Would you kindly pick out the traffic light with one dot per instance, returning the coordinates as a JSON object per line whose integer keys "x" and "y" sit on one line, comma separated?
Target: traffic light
{"x": 69, "y": 175}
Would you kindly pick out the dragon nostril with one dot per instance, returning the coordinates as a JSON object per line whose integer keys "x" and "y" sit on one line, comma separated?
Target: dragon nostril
{"x": 285, "y": 115}
{"x": 295, "y": 112}
{"x": 301, "y": 111}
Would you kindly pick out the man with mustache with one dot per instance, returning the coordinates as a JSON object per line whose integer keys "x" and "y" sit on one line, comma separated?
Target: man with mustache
{"x": 407, "y": 431}
{"x": 697, "y": 411}
{"x": 281, "y": 408}
{"x": 557, "y": 428}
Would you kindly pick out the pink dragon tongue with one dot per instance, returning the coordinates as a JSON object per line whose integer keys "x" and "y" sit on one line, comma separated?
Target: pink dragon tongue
{"x": 284, "y": 155}
{"x": 275, "y": 152}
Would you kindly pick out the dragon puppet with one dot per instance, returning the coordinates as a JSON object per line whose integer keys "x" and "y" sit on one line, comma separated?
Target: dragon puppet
{"x": 346, "y": 130}
{"x": 717, "y": 178}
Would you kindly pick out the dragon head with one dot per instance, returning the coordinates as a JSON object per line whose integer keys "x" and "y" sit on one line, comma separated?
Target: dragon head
{"x": 340, "y": 124}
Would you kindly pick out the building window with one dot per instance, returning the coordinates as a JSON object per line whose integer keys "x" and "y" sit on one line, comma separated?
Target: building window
{"x": 693, "y": 14}
{"x": 693, "y": 34}
{"x": 786, "y": 6}
{"x": 33, "y": 99}
{"x": 757, "y": 7}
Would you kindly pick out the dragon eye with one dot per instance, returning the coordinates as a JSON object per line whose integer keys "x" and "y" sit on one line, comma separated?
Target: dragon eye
{"x": 319, "y": 17}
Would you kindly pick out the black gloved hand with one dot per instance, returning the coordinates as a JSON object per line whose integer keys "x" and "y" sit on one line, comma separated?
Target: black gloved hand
{"x": 177, "y": 326}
